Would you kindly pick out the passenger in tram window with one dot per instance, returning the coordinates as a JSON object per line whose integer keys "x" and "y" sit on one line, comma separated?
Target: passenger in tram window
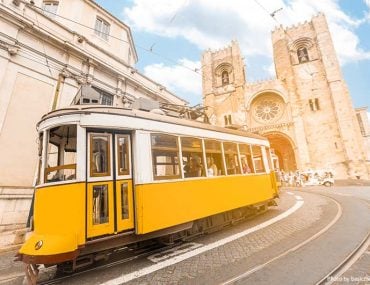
{"x": 211, "y": 167}
{"x": 193, "y": 168}
{"x": 187, "y": 167}
{"x": 245, "y": 167}
{"x": 231, "y": 169}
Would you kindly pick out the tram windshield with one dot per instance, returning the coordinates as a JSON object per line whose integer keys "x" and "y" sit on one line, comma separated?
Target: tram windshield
{"x": 61, "y": 154}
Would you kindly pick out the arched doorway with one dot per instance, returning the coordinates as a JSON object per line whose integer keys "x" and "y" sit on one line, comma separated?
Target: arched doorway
{"x": 283, "y": 149}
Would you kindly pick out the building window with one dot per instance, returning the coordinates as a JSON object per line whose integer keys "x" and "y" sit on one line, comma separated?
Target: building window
{"x": 50, "y": 7}
{"x": 302, "y": 54}
{"x": 105, "y": 97}
{"x": 228, "y": 120}
{"x": 314, "y": 104}
{"x": 317, "y": 104}
{"x": 102, "y": 28}
{"x": 225, "y": 77}
{"x": 361, "y": 123}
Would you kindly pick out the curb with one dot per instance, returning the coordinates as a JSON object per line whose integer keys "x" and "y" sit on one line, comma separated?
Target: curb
{"x": 10, "y": 248}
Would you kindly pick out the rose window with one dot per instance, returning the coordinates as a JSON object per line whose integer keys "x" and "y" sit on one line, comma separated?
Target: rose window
{"x": 267, "y": 110}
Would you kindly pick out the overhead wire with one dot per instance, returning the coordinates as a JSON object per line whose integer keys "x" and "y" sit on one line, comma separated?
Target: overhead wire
{"x": 149, "y": 50}
{"x": 43, "y": 47}
{"x": 272, "y": 15}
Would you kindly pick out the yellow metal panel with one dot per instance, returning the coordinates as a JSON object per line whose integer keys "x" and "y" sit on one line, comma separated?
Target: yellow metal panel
{"x": 51, "y": 244}
{"x": 124, "y": 224}
{"x": 60, "y": 210}
{"x": 161, "y": 205}
{"x": 105, "y": 228}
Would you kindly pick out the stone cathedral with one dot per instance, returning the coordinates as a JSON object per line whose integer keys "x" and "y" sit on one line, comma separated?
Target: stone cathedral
{"x": 306, "y": 112}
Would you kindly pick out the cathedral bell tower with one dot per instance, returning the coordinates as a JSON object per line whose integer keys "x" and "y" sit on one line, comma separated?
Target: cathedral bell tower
{"x": 223, "y": 82}
{"x": 327, "y": 133}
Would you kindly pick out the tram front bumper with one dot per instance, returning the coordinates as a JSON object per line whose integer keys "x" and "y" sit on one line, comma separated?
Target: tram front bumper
{"x": 48, "y": 249}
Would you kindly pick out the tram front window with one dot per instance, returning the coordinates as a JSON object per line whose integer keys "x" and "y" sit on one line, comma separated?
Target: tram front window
{"x": 40, "y": 145}
{"x": 61, "y": 154}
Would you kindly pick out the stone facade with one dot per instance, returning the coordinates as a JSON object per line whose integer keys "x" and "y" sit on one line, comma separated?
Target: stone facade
{"x": 45, "y": 57}
{"x": 306, "y": 112}
{"x": 363, "y": 122}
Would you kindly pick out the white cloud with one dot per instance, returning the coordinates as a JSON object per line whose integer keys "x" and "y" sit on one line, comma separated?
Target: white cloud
{"x": 178, "y": 78}
{"x": 214, "y": 23}
{"x": 367, "y": 16}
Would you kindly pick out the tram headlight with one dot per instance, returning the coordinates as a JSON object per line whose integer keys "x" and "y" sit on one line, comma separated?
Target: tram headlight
{"x": 38, "y": 244}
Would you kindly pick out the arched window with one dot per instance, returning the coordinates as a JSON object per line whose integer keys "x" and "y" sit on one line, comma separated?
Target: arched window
{"x": 225, "y": 77}
{"x": 302, "y": 54}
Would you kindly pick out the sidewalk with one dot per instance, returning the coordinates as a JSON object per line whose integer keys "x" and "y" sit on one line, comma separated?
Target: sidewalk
{"x": 352, "y": 182}
{"x": 12, "y": 240}
{"x": 11, "y": 272}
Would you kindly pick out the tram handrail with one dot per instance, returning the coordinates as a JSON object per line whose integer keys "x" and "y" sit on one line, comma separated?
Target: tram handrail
{"x": 59, "y": 167}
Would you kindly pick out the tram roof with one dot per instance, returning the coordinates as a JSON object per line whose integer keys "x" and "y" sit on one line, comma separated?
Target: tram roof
{"x": 88, "y": 109}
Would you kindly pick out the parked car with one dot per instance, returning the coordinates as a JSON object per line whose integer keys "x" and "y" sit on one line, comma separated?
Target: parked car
{"x": 317, "y": 177}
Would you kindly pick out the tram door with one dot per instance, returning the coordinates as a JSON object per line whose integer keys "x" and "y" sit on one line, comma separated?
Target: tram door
{"x": 109, "y": 184}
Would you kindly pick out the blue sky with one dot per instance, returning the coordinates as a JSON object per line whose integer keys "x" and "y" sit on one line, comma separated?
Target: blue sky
{"x": 180, "y": 30}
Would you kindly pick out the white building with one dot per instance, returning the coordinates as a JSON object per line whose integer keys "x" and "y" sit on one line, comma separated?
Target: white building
{"x": 48, "y": 49}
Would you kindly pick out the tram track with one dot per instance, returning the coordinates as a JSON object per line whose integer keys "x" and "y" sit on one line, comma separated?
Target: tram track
{"x": 335, "y": 273}
{"x": 143, "y": 254}
{"x": 289, "y": 251}
{"x": 347, "y": 263}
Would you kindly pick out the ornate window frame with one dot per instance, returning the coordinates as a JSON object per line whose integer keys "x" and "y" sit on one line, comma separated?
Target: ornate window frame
{"x": 220, "y": 71}
{"x": 301, "y": 50}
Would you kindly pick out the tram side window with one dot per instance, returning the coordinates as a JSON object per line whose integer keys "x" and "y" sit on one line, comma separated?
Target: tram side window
{"x": 215, "y": 165}
{"x": 246, "y": 158}
{"x": 165, "y": 154}
{"x": 257, "y": 158}
{"x": 231, "y": 158}
{"x": 99, "y": 155}
{"x": 61, "y": 154}
{"x": 192, "y": 156}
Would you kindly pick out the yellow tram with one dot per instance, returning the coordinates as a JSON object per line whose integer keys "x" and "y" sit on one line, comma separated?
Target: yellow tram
{"x": 110, "y": 177}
